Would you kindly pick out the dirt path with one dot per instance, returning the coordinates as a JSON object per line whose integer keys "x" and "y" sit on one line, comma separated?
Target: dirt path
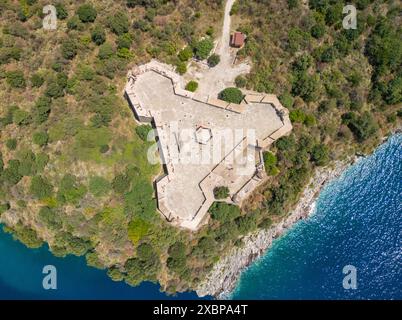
{"x": 223, "y": 47}
{"x": 213, "y": 80}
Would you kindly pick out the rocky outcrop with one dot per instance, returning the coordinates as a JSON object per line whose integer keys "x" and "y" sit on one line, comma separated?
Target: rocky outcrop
{"x": 221, "y": 281}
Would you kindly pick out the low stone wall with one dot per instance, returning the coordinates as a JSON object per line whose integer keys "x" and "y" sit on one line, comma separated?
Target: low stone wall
{"x": 206, "y": 185}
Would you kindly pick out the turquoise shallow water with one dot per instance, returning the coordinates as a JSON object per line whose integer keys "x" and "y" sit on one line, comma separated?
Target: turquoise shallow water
{"x": 358, "y": 221}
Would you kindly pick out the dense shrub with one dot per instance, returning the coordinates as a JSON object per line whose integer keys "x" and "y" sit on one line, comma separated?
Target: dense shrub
{"x": 240, "y": 81}
{"x": 40, "y": 188}
{"x": 69, "y": 49}
{"x": 87, "y": 13}
{"x": 233, "y": 95}
{"x": 363, "y": 126}
{"x": 37, "y": 80}
{"x": 61, "y": 11}
{"x": 11, "y": 144}
{"x": 4, "y": 207}
{"x": 121, "y": 183}
{"x": 181, "y": 68}
{"x": 143, "y": 131}
{"x": 177, "y": 257}
{"x": 185, "y": 54}
{"x": 40, "y": 138}
{"x": 214, "y": 60}
{"x": 320, "y": 155}
{"x": 98, "y": 35}
{"x": 21, "y": 117}
{"x": 11, "y": 173}
{"x": 224, "y": 212}
{"x": 70, "y": 190}
{"x": 270, "y": 162}
{"x": 106, "y": 51}
{"x": 99, "y": 186}
{"x": 119, "y": 23}
{"x": 15, "y": 79}
{"x": 50, "y": 218}
{"x": 124, "y": 41}
{"x": 221, "y": 192}
{"x": 203, "y": 48}
{"x": 192, "y": 86}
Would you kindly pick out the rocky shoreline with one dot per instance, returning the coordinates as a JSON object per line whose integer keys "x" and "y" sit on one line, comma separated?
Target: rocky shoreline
{"x": 224, "y": 276}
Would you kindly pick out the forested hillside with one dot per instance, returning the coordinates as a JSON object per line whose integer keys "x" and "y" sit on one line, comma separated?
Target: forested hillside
{"x": 73, "y": 163}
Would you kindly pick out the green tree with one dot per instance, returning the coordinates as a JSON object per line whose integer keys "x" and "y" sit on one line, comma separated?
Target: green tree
{"x": 233, "y": 95}
{"x": 86, "y": 13}
{"x": 119, "y": 23}
{"x": 177, "y": 257}
{"x": 37, "y": 80}
{"x": 224, "y": 212}
{"x": 185, "y": 54}
{"x": 306, "y": 86}
{"x": 363, "y": 126}
{"x": 74, "y": 23}
{"x": 98, "y": 35}
{"x": 144, "y": 267}
{"x": 214, "y": 60}
{"x": 42, "y": 109}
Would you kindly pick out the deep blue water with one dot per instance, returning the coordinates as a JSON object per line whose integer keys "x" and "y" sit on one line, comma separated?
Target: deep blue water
{"x": 358, "y": 221}
{"x": 21, "y": 277}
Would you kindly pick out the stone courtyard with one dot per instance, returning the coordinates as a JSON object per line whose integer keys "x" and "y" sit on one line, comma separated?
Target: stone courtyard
{"x": 203, "y": 142}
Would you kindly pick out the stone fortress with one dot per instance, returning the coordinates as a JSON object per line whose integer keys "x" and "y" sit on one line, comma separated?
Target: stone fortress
{"x": 185, "y": 190}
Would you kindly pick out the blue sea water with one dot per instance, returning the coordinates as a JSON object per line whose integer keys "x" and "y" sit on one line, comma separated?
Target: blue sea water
{"x": 21, "y": 277}
{"x": 358, "y": 222}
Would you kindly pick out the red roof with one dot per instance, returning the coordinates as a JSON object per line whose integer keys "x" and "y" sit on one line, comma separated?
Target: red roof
{"x": 238, "y": 39}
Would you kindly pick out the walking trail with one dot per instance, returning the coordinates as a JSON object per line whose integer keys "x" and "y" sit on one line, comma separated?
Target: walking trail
{"x": 213, "y": 80}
